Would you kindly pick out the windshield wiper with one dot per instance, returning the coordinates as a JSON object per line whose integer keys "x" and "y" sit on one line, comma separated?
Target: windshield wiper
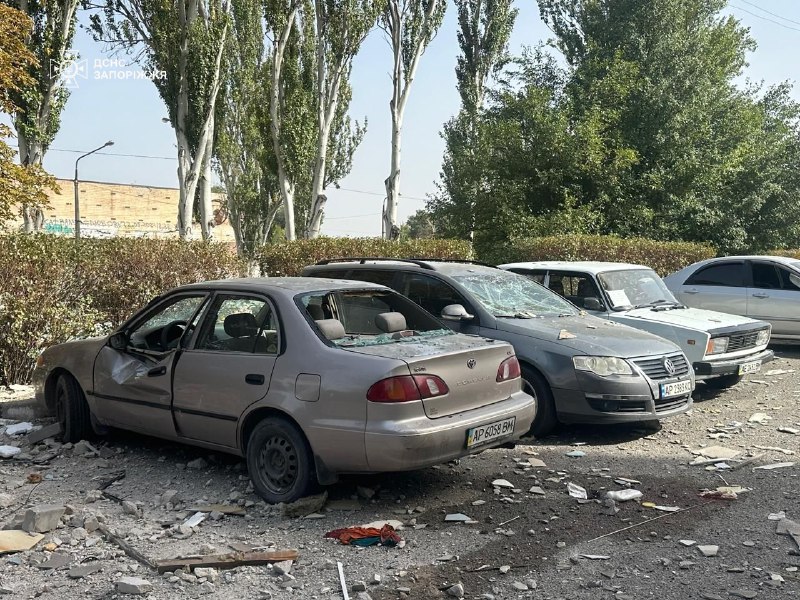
{"x": 519, "y": 315}
{"x": 653, "y": 303}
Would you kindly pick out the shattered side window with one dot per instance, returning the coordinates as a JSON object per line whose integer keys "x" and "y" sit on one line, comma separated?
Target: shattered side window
{"x": 506, "y": 294}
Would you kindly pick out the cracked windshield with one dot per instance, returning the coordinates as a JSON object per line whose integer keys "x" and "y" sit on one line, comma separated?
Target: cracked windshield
{"x": 636, "y": 288}
{"x": 510, "y": 295}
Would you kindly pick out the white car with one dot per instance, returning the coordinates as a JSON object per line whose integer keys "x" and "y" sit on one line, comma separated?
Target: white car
{"x": 721, "y": 347}
{"x": 759, "y": 287}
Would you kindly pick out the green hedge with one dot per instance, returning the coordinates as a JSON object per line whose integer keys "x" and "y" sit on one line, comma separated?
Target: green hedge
{"x": 289, "y": 258}
{"x": 663, "y": 257}
{"x": 54, "y": 289}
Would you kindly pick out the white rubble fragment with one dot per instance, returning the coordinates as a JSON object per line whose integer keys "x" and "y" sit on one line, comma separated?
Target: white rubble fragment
{"x": 195, "y": 519}
{"x": 503, "y": 483}
{"x": 577, "y": 491}
{"x": 19, "y": 428}
{"x": 9, "y": 451}
{"x": 708, "y": 550}
{"x": 133, "y": 585}
{"x": 774, "y": 466}
{"x": 760, "y": 418}
{"x": 624, "y": 495}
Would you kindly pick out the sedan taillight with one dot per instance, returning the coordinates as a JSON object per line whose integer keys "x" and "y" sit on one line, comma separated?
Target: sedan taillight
{"x": 509, "y": 369}
{"x": 405, "y": 388}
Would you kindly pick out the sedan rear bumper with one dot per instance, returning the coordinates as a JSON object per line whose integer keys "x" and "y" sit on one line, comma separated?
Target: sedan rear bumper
{"x": 391, "y": 445}
{"x": 707, "y": 369}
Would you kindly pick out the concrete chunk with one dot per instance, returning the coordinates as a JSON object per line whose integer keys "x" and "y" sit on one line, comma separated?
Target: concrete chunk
{"x": 42, "y": 518}
{"x": 133, "y": 585}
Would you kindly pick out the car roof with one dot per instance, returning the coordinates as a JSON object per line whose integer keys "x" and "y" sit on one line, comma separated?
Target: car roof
{"x": 780, "y": 259}
{"x": 593, "y": 267}
{"x": 444, "y": 267}
{"x": 287, "y": 286}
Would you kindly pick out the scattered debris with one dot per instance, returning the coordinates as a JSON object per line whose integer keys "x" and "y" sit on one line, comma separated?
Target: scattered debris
{"x": 230, "y": 560}
{"x": 42, "y": 518}
{"x": 14, "y": 540}
{"x": 537, "y": 490}
{"x": 791, "y": 430}
{"x": 576, "y": 454}
{"x": 195, "y": 519}
{"x": 687, "y": 543}
{"x": 653, "y": 505}
{"x": 708, "y": 551}
{"x": 595, "y": 556}
{"x": 503, "y": 483}
{"x": 46, "y": 432}
{"x": 717, "y": 452}
{"x": 457, "y": 590}
{"x": 536, "y": 463}
{"x": 19, "y": 428}
{"x": 577, "y": 491}
{"x": 776, "y": 449}
{"x": 778, "y": 516}
{"x": 566, "y": 335}
{"x": 9, "y": 451}
{"x": 760, "y": 418}
{"x": 774, "y": 466}
{"x": 134, "y": 585}
{"x": 458, "y": 518}
{"x": 305, "y": 506}
{"x": 623, "y": 495}
{"x": 730, "y": 492}
{"x": 81, "y": 571}
{"x": 342, "y": 581}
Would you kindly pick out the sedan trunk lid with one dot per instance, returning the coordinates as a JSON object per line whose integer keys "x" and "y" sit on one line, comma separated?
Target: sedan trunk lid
{"x": 467, "y": 364}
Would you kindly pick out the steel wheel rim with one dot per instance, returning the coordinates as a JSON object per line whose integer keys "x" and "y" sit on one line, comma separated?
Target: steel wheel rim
{"x": 278, "y": 464}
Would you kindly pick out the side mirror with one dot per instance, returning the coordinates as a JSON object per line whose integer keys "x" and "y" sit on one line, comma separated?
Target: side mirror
{"x": 456, "y": 312}
{"x": 119, "y": 341}
{"x": 592, "y": 303}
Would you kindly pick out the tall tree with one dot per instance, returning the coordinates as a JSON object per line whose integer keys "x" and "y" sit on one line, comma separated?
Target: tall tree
{"x": 484, "y": 27}
{"x": 340, "y": 29}
{"x": 37, "y": 111}
{"x": 183, "y": 40}
{"x": 244, "y": 154}
{"x": 20, "y": 184}
{"x": 410, "y": 25}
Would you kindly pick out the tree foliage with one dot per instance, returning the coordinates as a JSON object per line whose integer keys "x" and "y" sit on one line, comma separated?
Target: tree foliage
{"x": 20, "y": 184}
{"x": 644, "y": 132}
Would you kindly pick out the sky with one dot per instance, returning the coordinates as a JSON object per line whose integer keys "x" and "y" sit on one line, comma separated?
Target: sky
{"x": 129, "y": 112}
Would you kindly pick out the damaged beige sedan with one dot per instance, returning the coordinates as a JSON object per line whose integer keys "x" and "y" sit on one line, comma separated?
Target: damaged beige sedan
{"x": 305, "y": 378}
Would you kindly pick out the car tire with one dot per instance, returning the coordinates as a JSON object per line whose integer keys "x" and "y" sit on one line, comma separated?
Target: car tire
{"x": 546, "y": 418}
{"x": 279, "y": 461}
{"x": 724, "y": 382}
{"x": 72, "y": 410}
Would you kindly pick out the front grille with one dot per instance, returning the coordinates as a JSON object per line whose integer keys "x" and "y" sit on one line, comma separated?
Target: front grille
{"x": 654, "y": 367}
{"x": 666, "y": 404}
{"x": 742, "y": 341}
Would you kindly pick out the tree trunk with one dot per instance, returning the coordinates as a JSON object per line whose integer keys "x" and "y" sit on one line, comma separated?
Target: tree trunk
{"x": 31, "y": 154}
{"x": 206, "y": 205}
{"x": 390, "y": 228}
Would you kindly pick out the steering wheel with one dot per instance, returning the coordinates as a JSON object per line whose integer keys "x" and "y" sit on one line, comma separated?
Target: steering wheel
{"x": 171, "y": 333}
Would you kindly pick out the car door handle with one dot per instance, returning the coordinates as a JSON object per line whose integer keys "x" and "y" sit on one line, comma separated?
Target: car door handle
{"x": 760, "y": 295}
{"x": 691, "y": 291}
{"x": 157, "y": 371}
{"x": 254, "y": 379}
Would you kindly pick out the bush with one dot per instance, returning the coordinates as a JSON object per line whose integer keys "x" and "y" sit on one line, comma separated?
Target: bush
{"x": 55, "y": 289}
{"x": 663, "y": 257}
{"x": 289, "y": 258}
{"x": 795, "y": 253}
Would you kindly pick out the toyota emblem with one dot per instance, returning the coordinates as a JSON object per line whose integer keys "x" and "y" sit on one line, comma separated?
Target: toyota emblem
{"x": 669, "y": 366}
{"x": 471, "y": 363}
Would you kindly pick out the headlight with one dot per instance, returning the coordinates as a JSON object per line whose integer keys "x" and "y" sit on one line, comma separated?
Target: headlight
{"x": 763, "y": 337}
{"x": 717, "y": 345}
{"x": 602, "y": 365}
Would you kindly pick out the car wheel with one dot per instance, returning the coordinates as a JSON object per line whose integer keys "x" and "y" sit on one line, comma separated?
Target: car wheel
{"x": 72, "y": 410}
{"x": 724, "y": 382}
{"x": 546, "y": 418}
{"x": 279, "y": 461}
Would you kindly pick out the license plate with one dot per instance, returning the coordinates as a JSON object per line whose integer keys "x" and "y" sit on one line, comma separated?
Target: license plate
{"x": 679, "y": 388}
{"x": 477, "y": 436}
{"x": 751, "y": 367}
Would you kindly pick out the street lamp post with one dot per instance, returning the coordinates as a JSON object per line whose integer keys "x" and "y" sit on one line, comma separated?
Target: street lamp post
{"x": 77, "y": 196}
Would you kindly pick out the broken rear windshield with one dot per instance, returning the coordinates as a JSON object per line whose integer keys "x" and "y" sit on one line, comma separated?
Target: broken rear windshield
{"x": 371, "y": 317}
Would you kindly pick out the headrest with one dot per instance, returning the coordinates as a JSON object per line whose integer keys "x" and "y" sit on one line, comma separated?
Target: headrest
{"x": 331, "y": 329}
{"x": 241, "y": 325}
{"x": 391, "y": 322}
{"x": 316, "y": 312}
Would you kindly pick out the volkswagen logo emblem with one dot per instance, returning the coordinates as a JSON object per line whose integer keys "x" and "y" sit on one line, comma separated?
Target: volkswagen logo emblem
{"x": 669, "y": 366}
{"x": 471, "y": 363}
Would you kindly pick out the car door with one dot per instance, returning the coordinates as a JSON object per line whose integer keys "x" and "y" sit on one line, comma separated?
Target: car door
{"x": 774, "y": 296}
{"x": 720, "y": 286}
{"x": 133, "y": 387}
{"x": 227, "y": 367}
